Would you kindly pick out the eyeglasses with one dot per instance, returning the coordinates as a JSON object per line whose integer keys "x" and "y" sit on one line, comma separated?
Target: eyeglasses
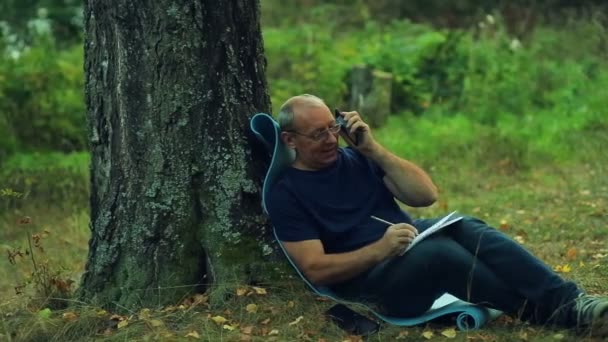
{"x": 319, "y": 135}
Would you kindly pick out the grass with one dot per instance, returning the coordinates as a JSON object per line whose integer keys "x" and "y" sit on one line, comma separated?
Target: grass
{"x": 558, "y": 211}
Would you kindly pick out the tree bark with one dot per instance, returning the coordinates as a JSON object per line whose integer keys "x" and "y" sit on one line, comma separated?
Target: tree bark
{"x": 370, "y": 94}
{"x": 175, "y": 196}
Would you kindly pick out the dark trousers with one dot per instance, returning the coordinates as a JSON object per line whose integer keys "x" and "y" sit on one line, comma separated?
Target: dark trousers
{"x": 473, "y": 262}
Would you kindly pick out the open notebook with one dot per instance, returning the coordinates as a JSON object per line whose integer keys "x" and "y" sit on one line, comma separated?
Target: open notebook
{"x": 468, "y": 316}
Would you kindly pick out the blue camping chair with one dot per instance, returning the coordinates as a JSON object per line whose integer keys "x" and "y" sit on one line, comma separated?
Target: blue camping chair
{"x": 468, "y": 316}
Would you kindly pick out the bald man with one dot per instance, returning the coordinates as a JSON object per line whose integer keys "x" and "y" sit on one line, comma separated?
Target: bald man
{"x": 322, "y": 206}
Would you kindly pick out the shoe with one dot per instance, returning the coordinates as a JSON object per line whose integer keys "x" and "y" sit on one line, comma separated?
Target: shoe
{"x": 590, "y": 310}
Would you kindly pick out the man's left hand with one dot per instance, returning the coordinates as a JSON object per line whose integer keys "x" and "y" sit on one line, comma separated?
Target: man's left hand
{"x": 357, "y": 127}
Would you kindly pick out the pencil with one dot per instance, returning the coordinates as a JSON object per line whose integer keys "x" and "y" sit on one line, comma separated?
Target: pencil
{"x": 381, "y": 220}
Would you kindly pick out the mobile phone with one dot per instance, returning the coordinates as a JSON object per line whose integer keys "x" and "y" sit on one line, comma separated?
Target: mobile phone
{"x": 352, "y": 321}
{"x": 351, "y": 139}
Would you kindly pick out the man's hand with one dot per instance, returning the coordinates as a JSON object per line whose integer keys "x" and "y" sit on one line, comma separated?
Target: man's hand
{"x": 357, "y": 127}
{"x": 405, "y": 180}
{"x": 396, "y": 238}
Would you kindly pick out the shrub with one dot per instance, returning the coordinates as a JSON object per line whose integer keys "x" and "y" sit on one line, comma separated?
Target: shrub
{"x": 41, "y": 98}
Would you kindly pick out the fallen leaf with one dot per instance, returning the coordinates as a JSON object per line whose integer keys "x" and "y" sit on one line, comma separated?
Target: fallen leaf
{"x": 402, "y": 335}
{"x": 273, "y": 332}
{"x": 193, "y": 334}
{"x": 266, "y": 321}
{"x": 156, "y": 322}
{"x": 69, "y": 316}
{"x": 123, "y": 323}
{"x": 251, "y": 308}
{"x": 504, "y": 225}
{"x": 259, "y": 290}
{"x": 562, "y": 269}
{"x": 101, "y": 313}
{"x": 241, "y": 291}
{"x": 297, "y": 320}
{"x": 228, "y": 327}
{"x": 428, "y": 334}
{"x": 219, "y": 319}
{"x": 291, "y": 304}
{"x": 523, "y": 335}
{"x": 200, "y": 299}
{"x": 558, "y": 336}
{"x": 247, "y": 330}
{"x": 144, "y": 314}
{"x": 353, "y": 338}
{"x": 449, "y": 333}
{"x": 519, "y": 239}
{"x": 571, "y": 254}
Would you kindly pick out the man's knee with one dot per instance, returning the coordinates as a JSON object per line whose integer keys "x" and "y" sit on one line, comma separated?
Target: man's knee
{"x": 435, "y": 249}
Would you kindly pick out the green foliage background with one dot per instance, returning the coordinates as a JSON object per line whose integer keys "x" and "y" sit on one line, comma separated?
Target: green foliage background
{"x": 471, "y": 78}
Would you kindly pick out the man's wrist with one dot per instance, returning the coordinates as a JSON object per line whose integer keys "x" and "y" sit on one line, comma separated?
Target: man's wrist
{"x": 376, "y": 153}
{"x": 377, "y": 251}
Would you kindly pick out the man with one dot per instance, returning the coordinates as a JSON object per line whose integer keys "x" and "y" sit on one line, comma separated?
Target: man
{"x": 322, "y": 206}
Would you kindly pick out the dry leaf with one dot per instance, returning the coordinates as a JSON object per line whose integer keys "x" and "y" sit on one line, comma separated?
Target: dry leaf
{"x": 297, "y": 320}
{"x": 122, "y": 324}
{"x": 193, "y": 334}
{"x": 219, "y": 319}
{"x": 428, "y": 334}
{"x": 228, "y": 327}
{"x": 273, "y": 332}
{"x": 259, "y": 290}
{"x": 241, "y": 291}
{"x": 200, "y": 299}
{"x": 562, "y": 269}
{"x": 571, "y": 254}
{"x": 144, "y": 314}
{"x": 402, "y": 335}
{"x": 523, "y": 335}
{"x": 251, "y": 308}
{"x": 266, "y": 321}
{"x": 291, "y": 304}
{"x": 449, "y": 333}
{"x": 247, "y": 330}
{"x": 69, "y": 316}
{"x": 101, "y": 313}
{"x": 519, "y": 239}
{"x": 504, "y": 225}
{"x": 156, "y": 322}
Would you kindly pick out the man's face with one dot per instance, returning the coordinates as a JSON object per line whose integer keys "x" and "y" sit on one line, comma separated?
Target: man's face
{"x": 310, "y": 122}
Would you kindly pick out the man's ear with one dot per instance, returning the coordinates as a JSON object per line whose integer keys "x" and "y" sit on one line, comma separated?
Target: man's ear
{"x": 288, "y": 139}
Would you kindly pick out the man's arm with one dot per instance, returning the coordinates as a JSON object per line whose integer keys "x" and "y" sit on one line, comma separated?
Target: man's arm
{"x": 324, "y": 269}
{"x": 405, "y": 180}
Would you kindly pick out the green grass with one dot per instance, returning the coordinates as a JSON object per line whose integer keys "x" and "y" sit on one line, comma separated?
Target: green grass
{"x": 551, "y": 208}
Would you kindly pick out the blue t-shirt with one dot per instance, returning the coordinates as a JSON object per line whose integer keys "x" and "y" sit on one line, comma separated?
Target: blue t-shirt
{"x": 334, "y": 204}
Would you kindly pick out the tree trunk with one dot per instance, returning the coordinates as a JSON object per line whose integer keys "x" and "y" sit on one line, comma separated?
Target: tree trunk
{"x": 175, "y": 196}
{"x": 370, "y": 94}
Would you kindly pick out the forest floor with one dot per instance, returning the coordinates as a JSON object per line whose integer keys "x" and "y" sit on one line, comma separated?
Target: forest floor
{"x": 560, "y": 214}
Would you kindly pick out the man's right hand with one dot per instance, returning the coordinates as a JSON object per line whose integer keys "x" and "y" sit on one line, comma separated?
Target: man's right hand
{"x": 396, "y": 238}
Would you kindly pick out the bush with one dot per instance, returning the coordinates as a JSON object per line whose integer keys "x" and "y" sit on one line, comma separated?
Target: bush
{"x": 42, "y": 99}
{"x": 48, "y": 178}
